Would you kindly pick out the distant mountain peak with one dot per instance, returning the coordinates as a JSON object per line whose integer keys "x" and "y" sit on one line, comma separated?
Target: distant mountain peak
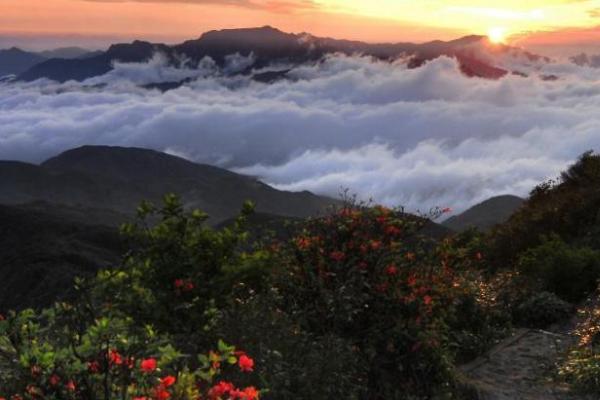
{"x": 486, "y": 214}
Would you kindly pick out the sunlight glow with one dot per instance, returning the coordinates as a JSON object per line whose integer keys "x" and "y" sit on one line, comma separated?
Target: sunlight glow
{"x": 497, "y": 35}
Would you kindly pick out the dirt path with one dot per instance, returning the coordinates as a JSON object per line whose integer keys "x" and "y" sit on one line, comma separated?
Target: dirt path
{"x": 519, "y": 368}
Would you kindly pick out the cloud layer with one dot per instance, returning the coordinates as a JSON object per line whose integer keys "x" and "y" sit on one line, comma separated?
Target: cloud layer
{"x": 418, "y": 138}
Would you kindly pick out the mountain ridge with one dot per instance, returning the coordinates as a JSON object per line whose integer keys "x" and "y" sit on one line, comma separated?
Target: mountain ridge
{"x": 119, "y": 178}
{"x": 269, "y": 46}
{"x": 486, "y": 214}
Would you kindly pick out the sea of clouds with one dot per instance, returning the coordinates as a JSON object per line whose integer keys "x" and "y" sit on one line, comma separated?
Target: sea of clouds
{"x": 418, "y": 138}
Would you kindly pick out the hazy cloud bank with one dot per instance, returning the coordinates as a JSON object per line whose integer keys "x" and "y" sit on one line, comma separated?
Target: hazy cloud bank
{"x": 418, "y": 138}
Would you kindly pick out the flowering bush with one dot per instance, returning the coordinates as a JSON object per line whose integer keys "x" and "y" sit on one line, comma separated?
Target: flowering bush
{"x": 370, "y": 276}
{"x": 359, "y": 304}
{"x": 41, "y": 358}
{"x": 138, "y": 331}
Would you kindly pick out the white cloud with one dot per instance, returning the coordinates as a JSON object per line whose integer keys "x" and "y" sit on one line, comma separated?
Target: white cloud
{"x": 418, "y": 138}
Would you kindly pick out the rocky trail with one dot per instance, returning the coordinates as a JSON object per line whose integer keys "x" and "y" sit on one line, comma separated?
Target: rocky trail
{"x": 521, "y": 367}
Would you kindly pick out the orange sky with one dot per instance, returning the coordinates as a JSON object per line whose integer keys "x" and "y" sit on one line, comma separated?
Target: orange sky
{"x": 370, "y": 20}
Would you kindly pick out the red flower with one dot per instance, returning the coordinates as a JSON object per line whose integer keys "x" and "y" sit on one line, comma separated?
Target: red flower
{"x": 168, "y": 381}
{"x": 71, "y": 386}
{"x": 412, "y": 280}
{"x": 382, "y": 287}
{"x": 93, "y": 367}
{"x": 220, "y": 389}
{"x": 115, "y": 358}
{"x": 148, "y": 365}
{"x": 479, "y": 256}
{"x": 375, "y": 244}
{"x": 2, "y": 319}
{"x": 427, "y": 300}
{"x": 392, "y": 231}
{"x": 246, "y": 363}
{"x": 184, "y": 285}
{"x": 54, "y": 380}
{"x": 337, "y": 256}
{"x": 391, "y": 270}
{"x": 160, "y": 393}
{"x": 303, "y": 243}
{"x": 36, "y": 370}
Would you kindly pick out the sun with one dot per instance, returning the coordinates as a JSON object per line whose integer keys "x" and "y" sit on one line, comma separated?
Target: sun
{"x": 497, "y": 35}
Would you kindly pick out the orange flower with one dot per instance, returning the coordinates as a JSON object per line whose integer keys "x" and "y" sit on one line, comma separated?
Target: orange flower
{"x": 250, "y": 393}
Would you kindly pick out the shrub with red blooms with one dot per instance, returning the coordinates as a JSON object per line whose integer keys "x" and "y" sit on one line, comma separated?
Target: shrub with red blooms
{"x": 139, "y": 331}
{"x": 109, "y": 361}
{"x": 370, "y": 275}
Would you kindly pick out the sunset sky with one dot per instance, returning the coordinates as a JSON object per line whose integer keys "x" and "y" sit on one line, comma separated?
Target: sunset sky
{"x": 41, "y": 23}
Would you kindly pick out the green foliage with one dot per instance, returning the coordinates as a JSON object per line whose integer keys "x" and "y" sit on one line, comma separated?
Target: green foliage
{"x": 138, "y": 331}
{"x": 570, "y": 272}
{"x": 358, "y": 304}
{"x": 541, "y": 310}
{"x": 179, "y": 271}
{"x": 568, "y": 207}
{"x": 293, "y": 363}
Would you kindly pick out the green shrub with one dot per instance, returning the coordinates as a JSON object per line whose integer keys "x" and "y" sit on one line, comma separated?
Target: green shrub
{"x": 541, "y": 310}
{"x": 568, "y": 207}
{"x": 142, "y": 330}
{"x": 570, "y": 272}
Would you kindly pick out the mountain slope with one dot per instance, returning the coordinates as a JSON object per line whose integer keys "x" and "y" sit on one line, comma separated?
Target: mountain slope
{"x": 42, "y": 249}
{"x": 486, "y": 214}
{"x": 270, "y": 46}
{"x": 118, "y": 179}
{"x": 15, "y": 61}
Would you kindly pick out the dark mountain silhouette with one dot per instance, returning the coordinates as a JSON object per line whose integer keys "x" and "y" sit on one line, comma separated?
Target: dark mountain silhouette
{"x": 586, "y": 60}
{"x": 67, "y": 52}
{"x": 117, "y": 179}
{"x": 270, "y": 46}
{"x": 486, "y": 214}
{"x": 15, "y": 61}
